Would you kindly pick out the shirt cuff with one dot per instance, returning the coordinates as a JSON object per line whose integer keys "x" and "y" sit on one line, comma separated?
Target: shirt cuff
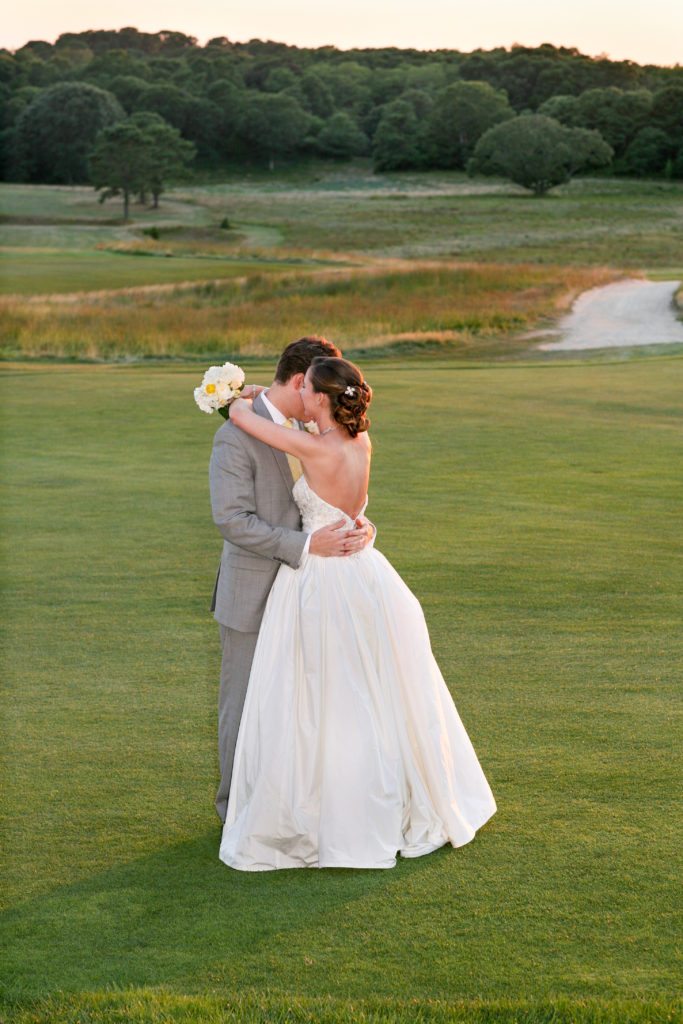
{"x": 306, "y": 545}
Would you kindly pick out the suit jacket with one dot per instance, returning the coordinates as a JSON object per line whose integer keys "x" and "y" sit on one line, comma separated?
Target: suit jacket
{"x": 253, "y": 508}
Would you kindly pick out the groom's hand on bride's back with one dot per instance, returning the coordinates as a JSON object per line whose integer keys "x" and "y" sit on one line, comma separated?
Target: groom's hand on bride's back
{"x": 336, "y": 540}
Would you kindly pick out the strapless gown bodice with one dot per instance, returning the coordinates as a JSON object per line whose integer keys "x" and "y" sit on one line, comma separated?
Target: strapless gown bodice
{"x": 315, "y": 511}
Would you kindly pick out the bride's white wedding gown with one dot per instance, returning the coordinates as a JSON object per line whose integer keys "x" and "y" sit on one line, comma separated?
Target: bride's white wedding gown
{"x": 350, "y": 747}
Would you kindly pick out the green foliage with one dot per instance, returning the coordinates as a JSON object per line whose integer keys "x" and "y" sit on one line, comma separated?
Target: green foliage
{"x": 562, "y": 108}
{"x": 314, "y": 95}
{"x": 676, "y": 167}
{"x": 461, "y": 114}
{"x": 169, "y": 101}
{"x": 279, "y": 79}
{"x": 538, "y": 153}
{"x": 166, "y": 153}
{"x": 273, "y": 124}
{"x": 349, "y": 83}
{"x": 16, "y": 103}
{"x": 203, "y": 91}
{"x": 648, "y": 153}
{"x": 395, "y": 144}
{"x": 55, "y": 132}
{"x": 130, "y": 91}
{"x": 341, "y": 137}
{"x": 667, "y": 111}
{"x": 138, "y": 155}
{"x": 616, "y": 114}
{"x": 118, "y": 162}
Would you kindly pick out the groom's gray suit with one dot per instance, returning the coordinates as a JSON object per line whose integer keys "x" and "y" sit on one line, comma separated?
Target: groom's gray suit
{"x": 252, "y": 506}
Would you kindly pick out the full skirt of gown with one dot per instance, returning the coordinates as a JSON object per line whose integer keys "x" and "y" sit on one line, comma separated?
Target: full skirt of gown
{"x": 350, "y": 748}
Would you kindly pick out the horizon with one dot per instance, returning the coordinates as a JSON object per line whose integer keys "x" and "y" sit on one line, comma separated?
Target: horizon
{"x": 619, "y": 30}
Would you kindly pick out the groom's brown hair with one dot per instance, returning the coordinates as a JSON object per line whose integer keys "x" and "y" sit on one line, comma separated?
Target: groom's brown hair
{"x": 299, "y": 355}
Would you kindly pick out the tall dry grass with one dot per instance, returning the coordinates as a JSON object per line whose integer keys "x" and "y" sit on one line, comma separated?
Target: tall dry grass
{"x": 470, "y": 305}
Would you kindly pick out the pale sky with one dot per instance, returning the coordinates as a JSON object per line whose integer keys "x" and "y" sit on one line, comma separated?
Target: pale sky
{"x": 648, "y": 33}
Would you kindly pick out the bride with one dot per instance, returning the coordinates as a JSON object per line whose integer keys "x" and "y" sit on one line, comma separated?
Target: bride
{"x": 350, "y": 748}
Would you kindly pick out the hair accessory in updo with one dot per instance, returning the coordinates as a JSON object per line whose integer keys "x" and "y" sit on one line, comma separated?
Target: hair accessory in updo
{"x": 348, "y": 393}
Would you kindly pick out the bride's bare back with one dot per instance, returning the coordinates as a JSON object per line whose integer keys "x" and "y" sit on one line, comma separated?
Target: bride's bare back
{"x": 338, "y": 470}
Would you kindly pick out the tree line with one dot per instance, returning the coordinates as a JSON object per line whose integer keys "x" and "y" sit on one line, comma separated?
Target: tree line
{"x": 66, "y": 109}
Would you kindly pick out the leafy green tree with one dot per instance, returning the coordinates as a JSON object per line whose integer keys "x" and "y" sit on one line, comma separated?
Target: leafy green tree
{"x": 537, "y": 152}
{"x": 387, "y": 84}
{"x": 667, "y": 111}
{"x": 556, "y": 80}
{"x": 137, "y": 155}
{"x": 10, "y": 70}
{"x": 119, "y": 163}
{"x": 395, "y": 145}
{"x": 616, "y": 114}
{"x": 225, "y": 93}
{"x": 273, "y": 124}
{"x": 518, "y": 74}
{"x": 55, "y": 132}
{"x": 350, "y": 85}
{"x": 589, "y": 151}
{"x": 316, "y": 97}
{"x": 33, "y": 70}
{"x": 677, "y": 164}
{"x": 279, "y": 79}
{"x": 228, "y": 100}
{"x": 169, "y": 102}
{"x": 14, "y": 105}
{"x": 341, "y": 137}
{"x": 422, "y": 103}
{"x": 113, "y": 63}
{"x": 425, "y": 77}
{"x": 648, "y": 153}
{"x": 461, "y": 114}
{"x": 129, "y": 91}
{"x": 167, "y": 155}
{"x": 561, "y": 108}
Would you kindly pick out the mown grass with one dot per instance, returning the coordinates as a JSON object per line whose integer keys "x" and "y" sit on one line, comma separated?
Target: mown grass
{"x": 535, "y": 511}
{"x": 42, "y": 272}
{"x": 471, "y": 310}
{"x": 144, "y": 1006}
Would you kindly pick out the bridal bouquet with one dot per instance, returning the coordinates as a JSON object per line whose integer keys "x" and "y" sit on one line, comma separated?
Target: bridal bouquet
{"x": 220, "y": 385}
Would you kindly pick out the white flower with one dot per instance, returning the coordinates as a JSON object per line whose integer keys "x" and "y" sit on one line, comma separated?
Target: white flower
{"x": 220, "y": 385}
{"x": 202, "y": 400}
{"x": 311, "y": 427}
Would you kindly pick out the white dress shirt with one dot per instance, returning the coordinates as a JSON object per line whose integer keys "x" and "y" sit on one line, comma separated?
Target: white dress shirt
{"x": 279, "y": 418}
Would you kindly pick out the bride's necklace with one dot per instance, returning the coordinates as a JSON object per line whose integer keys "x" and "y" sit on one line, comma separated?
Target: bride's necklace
{"x": 327, "y": 430}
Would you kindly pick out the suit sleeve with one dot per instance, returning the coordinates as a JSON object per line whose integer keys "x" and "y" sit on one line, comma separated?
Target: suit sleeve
{"x": 233, "y": 506}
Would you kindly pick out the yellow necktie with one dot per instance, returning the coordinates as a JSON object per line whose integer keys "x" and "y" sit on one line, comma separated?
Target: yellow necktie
{"x": 294, "y": 464}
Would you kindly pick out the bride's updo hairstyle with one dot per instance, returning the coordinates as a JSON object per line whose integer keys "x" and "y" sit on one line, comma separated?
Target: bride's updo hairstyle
{"x": 348, "y": 393}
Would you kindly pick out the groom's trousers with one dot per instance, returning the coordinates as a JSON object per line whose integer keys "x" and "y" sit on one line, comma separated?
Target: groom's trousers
{"x": 238, "y": 654}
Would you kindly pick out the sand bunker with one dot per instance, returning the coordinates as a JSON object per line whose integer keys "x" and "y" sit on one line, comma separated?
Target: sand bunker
{"x": 632, "y": 312}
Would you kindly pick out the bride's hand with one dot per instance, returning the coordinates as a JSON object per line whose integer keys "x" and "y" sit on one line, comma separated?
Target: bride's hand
{"x": 238, "y": 407}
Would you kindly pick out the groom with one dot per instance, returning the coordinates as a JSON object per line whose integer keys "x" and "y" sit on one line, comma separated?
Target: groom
{"x": 252, "y": 506}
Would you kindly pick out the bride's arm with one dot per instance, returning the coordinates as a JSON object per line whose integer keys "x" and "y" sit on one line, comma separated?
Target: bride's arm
{"x": 252, "y": 391}
{"x": 295, "y": 442}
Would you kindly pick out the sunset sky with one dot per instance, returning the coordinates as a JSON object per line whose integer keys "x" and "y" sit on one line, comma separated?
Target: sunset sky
{"x": 624, "y": 29}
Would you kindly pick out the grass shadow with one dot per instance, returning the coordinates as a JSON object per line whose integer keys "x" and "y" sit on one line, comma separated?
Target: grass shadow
{"x": 163, "y": 919}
